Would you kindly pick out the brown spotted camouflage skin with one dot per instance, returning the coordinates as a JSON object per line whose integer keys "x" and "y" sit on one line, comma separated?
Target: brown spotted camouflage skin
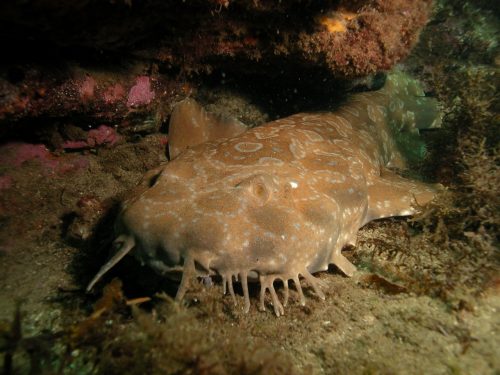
{"x": 279, "y": 201}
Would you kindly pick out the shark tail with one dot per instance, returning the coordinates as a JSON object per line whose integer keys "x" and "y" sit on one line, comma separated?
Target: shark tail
{"x": 408, "y": 112}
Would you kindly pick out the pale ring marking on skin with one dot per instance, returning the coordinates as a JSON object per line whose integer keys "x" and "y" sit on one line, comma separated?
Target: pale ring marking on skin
{"x": 248, "y": 146}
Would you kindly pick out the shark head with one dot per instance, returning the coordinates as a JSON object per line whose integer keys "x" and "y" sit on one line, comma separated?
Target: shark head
{"x": 252, "y": 220}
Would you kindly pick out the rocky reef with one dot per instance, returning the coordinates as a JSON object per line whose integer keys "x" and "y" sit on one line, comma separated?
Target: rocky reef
{"x": 125, "y": 62}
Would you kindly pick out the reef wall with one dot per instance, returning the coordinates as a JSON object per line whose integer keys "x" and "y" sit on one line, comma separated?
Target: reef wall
{"x": 124, "y": 62}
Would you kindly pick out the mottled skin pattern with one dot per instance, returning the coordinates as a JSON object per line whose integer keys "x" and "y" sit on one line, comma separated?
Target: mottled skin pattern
{"x": 279, "y": 201}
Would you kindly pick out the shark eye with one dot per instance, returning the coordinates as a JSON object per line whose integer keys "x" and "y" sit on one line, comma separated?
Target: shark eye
{"x": 258, "y": 187}
{"x": 261, "y": 192}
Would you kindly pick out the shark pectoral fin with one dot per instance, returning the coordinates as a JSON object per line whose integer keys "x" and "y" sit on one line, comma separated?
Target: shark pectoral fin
{"x": 191, "y": 125}
{"x": 393, "y": 195}
{"x": 343, "y": 264}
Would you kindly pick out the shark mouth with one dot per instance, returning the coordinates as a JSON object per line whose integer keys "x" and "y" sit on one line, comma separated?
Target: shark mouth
{"x": 266, "y": 284}
{"x": 190, "y": 271}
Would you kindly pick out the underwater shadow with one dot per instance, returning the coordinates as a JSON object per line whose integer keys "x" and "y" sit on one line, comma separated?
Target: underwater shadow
{"x": 138, "y": 281}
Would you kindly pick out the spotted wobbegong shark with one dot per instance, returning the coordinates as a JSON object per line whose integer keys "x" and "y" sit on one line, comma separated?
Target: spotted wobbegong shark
{"x": 277, "y": 202}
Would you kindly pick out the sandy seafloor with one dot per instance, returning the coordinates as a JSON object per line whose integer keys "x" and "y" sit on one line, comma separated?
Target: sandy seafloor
{"x": 425, "y": 300}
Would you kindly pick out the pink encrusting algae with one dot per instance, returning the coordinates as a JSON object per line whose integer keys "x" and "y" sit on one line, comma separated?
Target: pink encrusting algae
{"x": 102, "y": 136}
{"x": 87, "y": 88}
{"x": 15, "y": 154}
{"x": 141, "y": 93}
{"x": 5, "y": 182}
